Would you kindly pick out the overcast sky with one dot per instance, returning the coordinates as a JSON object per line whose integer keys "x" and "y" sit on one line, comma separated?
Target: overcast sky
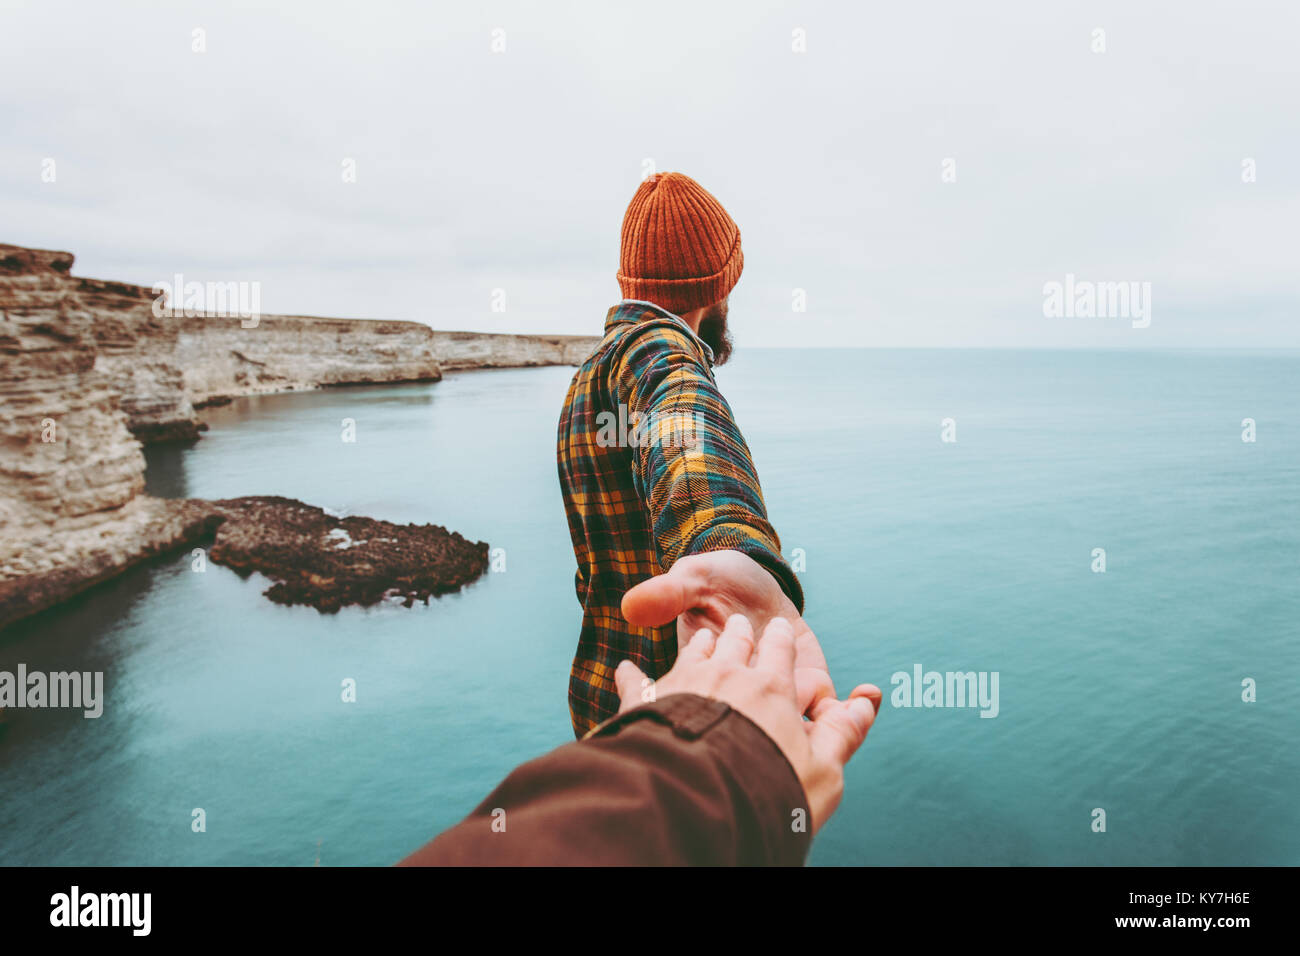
{"x": 479, "y": 170}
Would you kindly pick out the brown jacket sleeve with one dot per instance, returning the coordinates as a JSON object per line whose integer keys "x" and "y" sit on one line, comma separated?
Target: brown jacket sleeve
{"x": 685, "y": 780}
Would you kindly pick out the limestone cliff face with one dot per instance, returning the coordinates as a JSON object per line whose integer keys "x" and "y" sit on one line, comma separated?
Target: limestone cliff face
{"x": 65, "y": 452}
{"x": 88, "y": 371}
{"x": 221, "y": 359}
{"x": 164, "y": 367}
{"x": 72, "y": 510}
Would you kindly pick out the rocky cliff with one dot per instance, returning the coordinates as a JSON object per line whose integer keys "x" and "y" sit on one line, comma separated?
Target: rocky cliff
{"x": 204, "y": 360}
{"x": 163, "y": 367}
{"x": 72, "y": 510}
{"x": 88, "y": 371}
{"x": 465, "y": 350}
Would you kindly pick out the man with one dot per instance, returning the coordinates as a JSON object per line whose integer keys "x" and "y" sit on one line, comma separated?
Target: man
{"x": 655, "y": 474}
{"x": 719, "y": 769}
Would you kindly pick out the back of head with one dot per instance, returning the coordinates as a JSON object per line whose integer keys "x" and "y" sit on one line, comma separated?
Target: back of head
{"x": 679, "y": 249}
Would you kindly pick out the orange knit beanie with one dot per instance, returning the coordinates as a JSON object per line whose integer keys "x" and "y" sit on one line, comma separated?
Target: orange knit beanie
{"x": 680, "y": 249}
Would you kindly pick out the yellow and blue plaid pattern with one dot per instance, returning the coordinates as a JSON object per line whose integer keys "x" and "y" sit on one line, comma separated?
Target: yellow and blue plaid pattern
{"x": 635, "y": 505}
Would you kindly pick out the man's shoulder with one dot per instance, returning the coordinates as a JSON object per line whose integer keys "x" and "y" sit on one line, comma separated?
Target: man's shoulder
{"x": 646, "y": 334}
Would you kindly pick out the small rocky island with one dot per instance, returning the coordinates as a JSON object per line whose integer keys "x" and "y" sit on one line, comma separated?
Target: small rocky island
{"x": 89, "y": 371}
{"x": 315, "y": 558}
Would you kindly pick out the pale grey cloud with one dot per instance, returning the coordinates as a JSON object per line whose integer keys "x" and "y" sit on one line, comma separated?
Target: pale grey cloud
{"x": 478, "y": 171}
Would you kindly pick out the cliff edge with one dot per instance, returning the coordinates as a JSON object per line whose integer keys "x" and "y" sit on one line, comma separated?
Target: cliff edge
{"x": 165, "y": 366}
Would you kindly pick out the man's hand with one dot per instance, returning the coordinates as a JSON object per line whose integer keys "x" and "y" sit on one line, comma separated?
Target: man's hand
{"x": 760, "y": 683}
{"x": 704, "y": 590}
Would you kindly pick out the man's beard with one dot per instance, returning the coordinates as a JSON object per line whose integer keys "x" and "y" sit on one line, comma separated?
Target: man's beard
{"x": 714, "y": 332}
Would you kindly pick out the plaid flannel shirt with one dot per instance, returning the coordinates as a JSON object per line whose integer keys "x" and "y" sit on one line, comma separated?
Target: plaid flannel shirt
{"x": 652, "y": 468}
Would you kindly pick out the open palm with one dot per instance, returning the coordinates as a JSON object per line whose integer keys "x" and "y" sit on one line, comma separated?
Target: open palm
{"x": 704, "y": 590}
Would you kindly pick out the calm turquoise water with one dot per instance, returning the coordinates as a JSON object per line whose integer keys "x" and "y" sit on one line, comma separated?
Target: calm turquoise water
{"x": 1119, "y": 690}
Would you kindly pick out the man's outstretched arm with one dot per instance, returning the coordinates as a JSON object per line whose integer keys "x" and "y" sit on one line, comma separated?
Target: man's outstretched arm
{"x": 698, "y": 482}
{"x": 692, "y": 469}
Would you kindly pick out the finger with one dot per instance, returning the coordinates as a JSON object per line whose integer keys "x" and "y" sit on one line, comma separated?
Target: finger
{"x": 698, "y": 648}
{"x": 736, "y": 643}
{"x": 839, "y": 728}
{"x": 812, "y": 685}
{"x": 630, "y": 683}
{"x": 810, "y": 652}
{"x": 871, "y": 692}
{"x": 822, "y": 706}
{"x": 868, "y": 692}
{"x": 776, "y": 649}
{"x": 664, "y": 597}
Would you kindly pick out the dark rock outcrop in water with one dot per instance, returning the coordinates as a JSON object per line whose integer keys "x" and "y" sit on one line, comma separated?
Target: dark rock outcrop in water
{"x": 88, "y": 371}
{"x": 328, "y": 562}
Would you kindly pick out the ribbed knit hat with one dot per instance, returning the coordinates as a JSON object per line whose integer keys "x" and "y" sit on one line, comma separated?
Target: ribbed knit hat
{"x": 680, "y": 249}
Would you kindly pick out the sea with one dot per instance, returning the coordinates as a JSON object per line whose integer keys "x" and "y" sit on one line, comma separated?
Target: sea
{"x": 1111, "y": 539}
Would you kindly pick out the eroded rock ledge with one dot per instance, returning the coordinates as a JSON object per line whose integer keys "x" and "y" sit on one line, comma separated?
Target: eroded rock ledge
{"x": 311, "y": 557}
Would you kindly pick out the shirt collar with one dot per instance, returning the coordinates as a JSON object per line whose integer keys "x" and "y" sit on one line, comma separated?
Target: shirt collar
{"x": 630, "y": 310}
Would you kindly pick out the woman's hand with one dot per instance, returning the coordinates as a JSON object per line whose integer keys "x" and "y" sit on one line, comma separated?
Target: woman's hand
{"x": 759, "y": 681}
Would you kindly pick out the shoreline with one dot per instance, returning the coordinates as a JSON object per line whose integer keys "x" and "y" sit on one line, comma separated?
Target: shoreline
{"x": 89, "y": 374}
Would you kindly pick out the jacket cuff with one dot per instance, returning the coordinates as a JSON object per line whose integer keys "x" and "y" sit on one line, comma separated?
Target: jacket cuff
{"x": 772, "y": 808}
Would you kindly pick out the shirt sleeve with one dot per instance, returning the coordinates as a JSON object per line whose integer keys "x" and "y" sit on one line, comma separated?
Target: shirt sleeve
{"x": 691, "y": 466}
{"x": 682, "y": 781}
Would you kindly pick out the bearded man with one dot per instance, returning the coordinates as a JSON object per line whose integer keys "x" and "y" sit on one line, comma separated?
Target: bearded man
{"x": 667, "y": 517}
